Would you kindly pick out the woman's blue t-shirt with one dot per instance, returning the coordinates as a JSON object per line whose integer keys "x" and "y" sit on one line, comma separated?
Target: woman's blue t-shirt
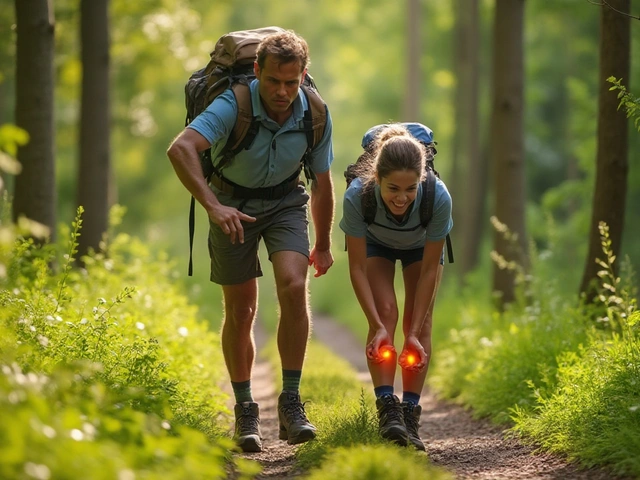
{"x": 386, "y": 230}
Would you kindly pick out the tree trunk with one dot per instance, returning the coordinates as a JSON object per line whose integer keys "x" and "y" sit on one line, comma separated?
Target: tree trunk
{"x": 469, "y": 179}
{"x": 612, "y": 153}
{"x": 94, "y": 177}
{"x": 507, "y": 141}
{"x": 411, "y": 111}
{"x": 34, "y": 187}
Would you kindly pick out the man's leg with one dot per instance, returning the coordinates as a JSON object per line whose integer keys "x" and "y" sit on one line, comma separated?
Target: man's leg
{"x": 290, "y": 269}
{"x": 240, "y": 302}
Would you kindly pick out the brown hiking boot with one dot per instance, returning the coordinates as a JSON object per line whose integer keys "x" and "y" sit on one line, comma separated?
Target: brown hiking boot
{"x": 391, "y": 420}
{"x": 412, "y": 421}
{"x": 294, "y": 425}
{"x": 247, "y": 435}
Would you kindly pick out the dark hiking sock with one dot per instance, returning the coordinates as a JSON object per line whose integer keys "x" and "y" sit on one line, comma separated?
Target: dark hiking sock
{"x": 291, "y": 380}
{"x": 242, "y": 391}
{"x": 383, "y": 390}
{"x": 410, "y": 397}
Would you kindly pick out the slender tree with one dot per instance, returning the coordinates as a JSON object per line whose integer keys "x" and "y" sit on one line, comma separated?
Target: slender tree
{"x": 411, "y": 111}
{"x": 34, "y": 188}
{"x": 507, "y": 141}
{"x": 469, "y": 172}
{"x": 612, "y": 164}
{"x": 94, "y": 174}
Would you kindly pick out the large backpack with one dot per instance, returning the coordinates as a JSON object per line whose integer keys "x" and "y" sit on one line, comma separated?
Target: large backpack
{"x": 424, "y": 135}
{"x": 231, "y": 66}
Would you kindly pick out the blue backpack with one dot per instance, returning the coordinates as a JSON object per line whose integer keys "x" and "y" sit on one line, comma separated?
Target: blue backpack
{"x": 424, "y": 135}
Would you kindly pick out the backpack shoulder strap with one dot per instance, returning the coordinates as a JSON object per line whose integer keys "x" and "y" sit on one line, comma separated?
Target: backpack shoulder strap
{"x": 369, "y": 203}
{"x": 242, "y": 134}
{"x": 245, "y": 129}
{"x": 428, "y": 198}
{"x": 315, "y": 115}
{"x": 314, "y": 121}
{"x": 426, "y": 206}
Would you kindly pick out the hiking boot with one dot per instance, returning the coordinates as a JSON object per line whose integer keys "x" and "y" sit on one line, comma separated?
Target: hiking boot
{"x": 294, "y": 425}
{"x": 247, "y": 435}
{"x": 412, "y": 421}
{"x": 391, "y": 419}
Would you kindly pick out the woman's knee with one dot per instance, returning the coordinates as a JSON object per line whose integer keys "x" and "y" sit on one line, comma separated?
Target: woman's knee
{"x": 388, "y": 312}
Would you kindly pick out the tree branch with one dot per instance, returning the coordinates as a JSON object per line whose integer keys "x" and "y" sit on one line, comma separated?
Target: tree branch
{"x": 604, "y": 3}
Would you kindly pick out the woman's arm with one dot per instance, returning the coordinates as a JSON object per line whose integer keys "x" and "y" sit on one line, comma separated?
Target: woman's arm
{"x": 357, "y": 252}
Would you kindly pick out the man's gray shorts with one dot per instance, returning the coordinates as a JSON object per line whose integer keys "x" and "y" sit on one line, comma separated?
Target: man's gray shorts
{"x": 282, "y": 223}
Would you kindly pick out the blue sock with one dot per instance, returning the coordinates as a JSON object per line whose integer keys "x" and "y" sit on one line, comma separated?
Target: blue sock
{"x": 410, "y": 397}
{"x": 242, "y": 391}
{"x": 383, "y": 390}
{"x": 291, "y": 380}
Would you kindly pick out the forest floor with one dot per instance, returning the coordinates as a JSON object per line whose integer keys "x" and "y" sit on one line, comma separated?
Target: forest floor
{"x": 456, "y": 442}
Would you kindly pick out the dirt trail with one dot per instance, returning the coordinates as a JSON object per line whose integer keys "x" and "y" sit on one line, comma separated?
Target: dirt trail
{"x": 468, "y": 448}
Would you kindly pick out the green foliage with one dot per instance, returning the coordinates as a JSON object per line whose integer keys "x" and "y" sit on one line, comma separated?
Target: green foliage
{"x": 594, "y": 413}
{"x": 365, "y": 462}
{"x": 617, "y": 297}
{"x": 629, "y": 102}
{"x": 568, "y": 383}
{"x": 101, "y": 380}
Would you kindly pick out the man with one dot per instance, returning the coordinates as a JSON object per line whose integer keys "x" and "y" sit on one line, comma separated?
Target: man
{"x": 238, "y": 222}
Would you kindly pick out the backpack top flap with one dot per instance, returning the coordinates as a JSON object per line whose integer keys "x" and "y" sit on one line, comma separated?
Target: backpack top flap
{"x": 420, "y": 132}
{"x": 240, "y": 47}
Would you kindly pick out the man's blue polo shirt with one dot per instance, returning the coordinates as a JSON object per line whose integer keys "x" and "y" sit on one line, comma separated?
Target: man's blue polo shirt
{"x": 276, "y": 151}
{"x": 386, "y": 230}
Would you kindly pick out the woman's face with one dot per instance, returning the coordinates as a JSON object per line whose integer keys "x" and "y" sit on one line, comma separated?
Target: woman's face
{"x": 398, "y": 190}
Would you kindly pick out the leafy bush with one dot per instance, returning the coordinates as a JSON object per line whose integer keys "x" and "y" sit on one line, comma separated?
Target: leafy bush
{"x": 565, "y": 373}
{"x": 594, "y": 413}
{"x": 101, "y": 380}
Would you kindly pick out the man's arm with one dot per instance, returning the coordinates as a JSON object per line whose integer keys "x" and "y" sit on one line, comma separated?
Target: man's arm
{"x": 322, "y": 207}
{"x": 183, "y": 154}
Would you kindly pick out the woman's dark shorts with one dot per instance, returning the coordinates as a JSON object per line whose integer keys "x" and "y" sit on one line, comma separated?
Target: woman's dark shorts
{"x": 407, "y": 257}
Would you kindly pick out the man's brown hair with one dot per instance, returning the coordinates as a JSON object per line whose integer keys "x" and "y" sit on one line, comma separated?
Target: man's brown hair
{"x": 285, "y": 47}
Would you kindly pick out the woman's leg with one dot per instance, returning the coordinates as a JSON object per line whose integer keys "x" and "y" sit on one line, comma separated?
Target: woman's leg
{"x": 412, "y": 381}
{"x": 381, "y": 272}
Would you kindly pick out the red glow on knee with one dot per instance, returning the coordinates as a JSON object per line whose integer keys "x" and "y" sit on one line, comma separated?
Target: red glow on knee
{"x": 386, "y": 352}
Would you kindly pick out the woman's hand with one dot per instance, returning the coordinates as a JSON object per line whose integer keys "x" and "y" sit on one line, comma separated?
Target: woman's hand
{"x": 379, "y": 344}
{"x": 413, "y": 356}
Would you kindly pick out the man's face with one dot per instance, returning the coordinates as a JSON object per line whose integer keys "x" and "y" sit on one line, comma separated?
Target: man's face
{"x": 278, "y": 86}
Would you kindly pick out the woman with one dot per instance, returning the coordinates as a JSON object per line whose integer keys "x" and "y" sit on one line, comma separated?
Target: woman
{"x": 394, "y": 168}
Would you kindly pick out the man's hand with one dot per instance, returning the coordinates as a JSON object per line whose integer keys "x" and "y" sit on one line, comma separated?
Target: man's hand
{"x": 321, "y": 261}
{"x": 230, "y": 219}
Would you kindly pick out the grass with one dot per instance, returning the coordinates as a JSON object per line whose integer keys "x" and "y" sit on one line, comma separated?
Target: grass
{"x": 343, "y": 410}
